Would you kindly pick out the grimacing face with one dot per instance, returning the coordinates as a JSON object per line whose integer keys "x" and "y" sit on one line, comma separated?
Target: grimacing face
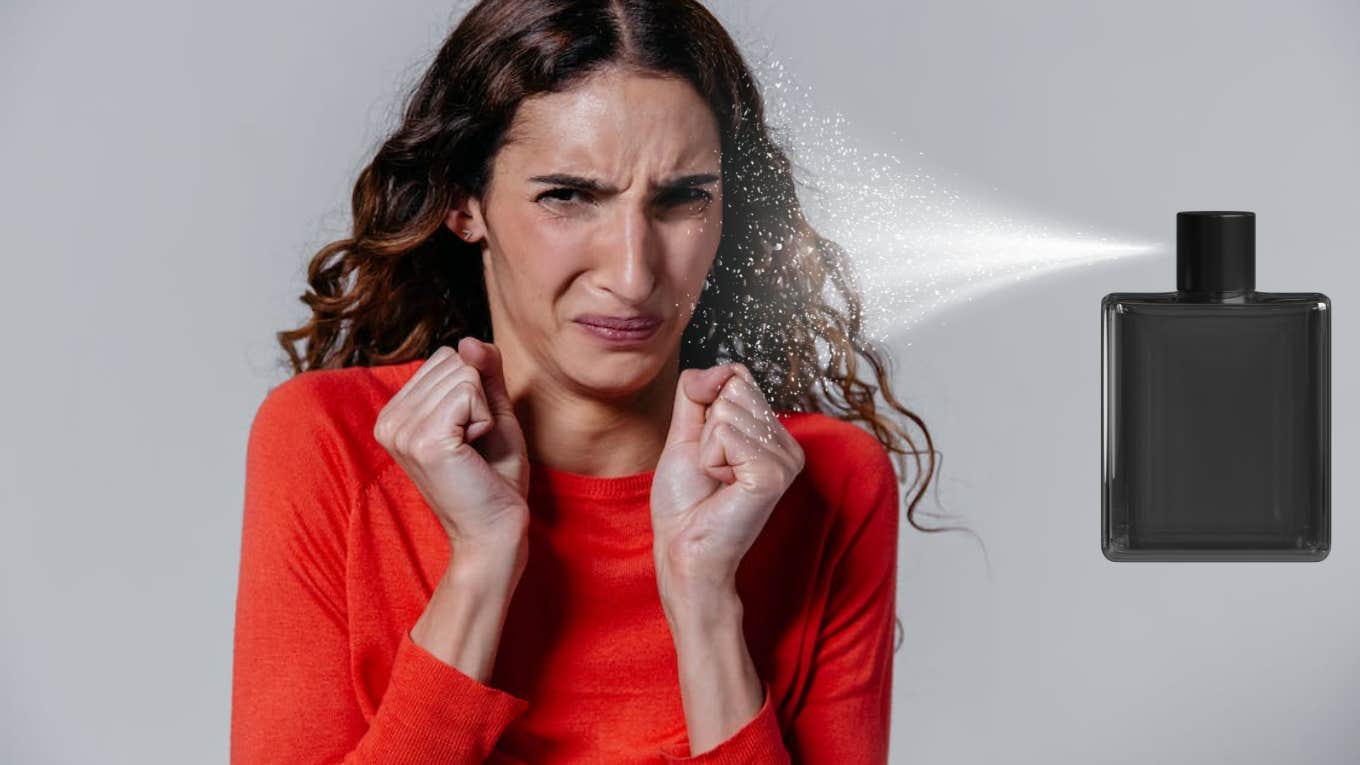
{"x": 606, "y": 200}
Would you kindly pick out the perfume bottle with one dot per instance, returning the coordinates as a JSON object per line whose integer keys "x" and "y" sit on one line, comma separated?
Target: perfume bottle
{"x": 1215, "y": 409}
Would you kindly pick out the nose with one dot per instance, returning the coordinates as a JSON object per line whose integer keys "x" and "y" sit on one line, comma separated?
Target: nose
{"x": 631, "y": 255}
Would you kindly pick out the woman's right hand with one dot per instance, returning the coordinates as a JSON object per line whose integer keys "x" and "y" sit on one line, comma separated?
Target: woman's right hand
{"x": 477, "y": 491}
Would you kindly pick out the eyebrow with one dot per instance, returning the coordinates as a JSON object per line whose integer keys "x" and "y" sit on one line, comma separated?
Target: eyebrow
{"x": 590, "y": 184}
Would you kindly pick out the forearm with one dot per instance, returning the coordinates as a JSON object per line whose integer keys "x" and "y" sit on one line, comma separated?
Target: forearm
{"x": 719, "y": 686}
{"x": 462, "y": 623}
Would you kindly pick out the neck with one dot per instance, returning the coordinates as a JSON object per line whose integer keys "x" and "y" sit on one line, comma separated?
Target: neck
{"x": 572, "y": 428}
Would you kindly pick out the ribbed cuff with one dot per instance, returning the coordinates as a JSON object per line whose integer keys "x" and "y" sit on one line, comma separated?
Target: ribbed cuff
{"x": 443, "y": 711}
{"x": 759, "y": 742}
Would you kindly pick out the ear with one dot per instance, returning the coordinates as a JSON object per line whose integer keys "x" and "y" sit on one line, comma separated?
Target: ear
{"x": 464, "y": 218}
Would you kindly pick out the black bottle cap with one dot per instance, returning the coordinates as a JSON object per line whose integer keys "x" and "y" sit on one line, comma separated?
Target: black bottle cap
{"x": 1215, "y": 251}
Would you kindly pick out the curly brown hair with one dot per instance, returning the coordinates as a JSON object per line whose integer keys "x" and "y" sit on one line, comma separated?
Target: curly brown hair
{"x": 396, "y": 288}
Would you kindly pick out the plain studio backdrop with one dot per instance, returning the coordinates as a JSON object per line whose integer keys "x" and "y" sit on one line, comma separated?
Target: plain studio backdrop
{"x": 169, "y": 168}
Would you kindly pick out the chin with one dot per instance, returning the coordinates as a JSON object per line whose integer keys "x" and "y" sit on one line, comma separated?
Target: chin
{"x": 613, "y": 373}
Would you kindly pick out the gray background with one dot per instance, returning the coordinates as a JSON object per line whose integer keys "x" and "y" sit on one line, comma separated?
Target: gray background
{"x": 170, "y": 166}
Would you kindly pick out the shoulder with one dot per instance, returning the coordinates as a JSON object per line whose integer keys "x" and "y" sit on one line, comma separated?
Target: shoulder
{"x": 836, "y": 445}
{"x": 329, "y": 414}
{"x": 862, "y": 537}
{"x": 846, "y": 463}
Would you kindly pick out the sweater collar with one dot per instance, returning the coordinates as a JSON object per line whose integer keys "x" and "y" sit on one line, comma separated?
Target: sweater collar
{"x": 558, "y": 482}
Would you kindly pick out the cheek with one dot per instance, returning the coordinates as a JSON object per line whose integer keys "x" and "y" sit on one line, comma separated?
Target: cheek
{"x": 544, "y": 251}
{"x": 695, "y": 246}
{"x": 547, "y": 239}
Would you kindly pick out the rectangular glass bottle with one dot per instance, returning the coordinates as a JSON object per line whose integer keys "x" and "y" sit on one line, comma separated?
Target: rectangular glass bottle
{"x": 1215, "y": 421}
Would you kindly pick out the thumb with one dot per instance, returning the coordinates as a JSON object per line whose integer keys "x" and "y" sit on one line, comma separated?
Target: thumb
{"x": 698, "y": 388}
{"x": 487, "y": 359}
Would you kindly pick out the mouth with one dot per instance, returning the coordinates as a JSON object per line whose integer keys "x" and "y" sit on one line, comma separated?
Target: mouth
{"x": 620, "y": 330}
{"x": 640, "y": 323}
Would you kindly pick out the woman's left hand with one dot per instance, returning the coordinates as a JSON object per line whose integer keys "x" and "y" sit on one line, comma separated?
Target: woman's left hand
{"x": 726, "y": 462}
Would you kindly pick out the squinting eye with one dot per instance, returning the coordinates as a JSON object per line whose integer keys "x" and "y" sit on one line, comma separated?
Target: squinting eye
{"x": 563, "y": 190}
{"x": 693, "y": 195}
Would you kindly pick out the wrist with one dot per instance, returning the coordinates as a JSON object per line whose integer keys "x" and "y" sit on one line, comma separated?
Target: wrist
{"x": 686, "y": 577}
{"x": 462, "y": 622}
{"x": 487, "y": 564}
{"x": 700, "y": 608}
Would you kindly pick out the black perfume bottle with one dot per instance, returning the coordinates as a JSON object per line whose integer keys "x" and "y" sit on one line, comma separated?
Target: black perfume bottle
{"x": 1215, "y": 410}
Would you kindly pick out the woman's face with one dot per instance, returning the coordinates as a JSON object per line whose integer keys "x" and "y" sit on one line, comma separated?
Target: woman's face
{"x": 607, "y": 200}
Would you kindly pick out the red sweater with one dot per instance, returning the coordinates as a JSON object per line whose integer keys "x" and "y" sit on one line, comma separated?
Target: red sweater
{"x": 340, "y": 553}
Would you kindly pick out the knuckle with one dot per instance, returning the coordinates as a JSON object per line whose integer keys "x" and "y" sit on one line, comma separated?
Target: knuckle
{"x": 469, "y": 374}
{"x": 468, "y": 389}
{"x": 470, "y": 395}
{"x": 386, "y": 427}
{"x": 425, "y": 448}
{"x": 440, "y": 353}
{"x": 400, "y": 439}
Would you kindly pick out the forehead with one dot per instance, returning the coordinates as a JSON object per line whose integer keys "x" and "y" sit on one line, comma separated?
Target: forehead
{"x": 615, "y": 117}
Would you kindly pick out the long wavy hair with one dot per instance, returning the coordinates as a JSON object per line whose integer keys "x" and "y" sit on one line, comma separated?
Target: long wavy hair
{"x": 399, "y": 287}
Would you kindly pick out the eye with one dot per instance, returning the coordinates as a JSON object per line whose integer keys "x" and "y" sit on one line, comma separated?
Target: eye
{"x": 560, "y": 194}
{"x": 683, "y": 196}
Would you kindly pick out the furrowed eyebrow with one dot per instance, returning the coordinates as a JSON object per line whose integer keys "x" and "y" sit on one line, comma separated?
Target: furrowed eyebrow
{"x": 689, "y": 181}
{"x": 590, "y": 184}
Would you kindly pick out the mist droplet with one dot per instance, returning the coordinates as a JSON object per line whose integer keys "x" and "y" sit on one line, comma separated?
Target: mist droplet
{"x": 916, "y": 245}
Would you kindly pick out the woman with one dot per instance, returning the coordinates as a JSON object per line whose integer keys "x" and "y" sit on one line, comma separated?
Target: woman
{"x": 588, "y": 540}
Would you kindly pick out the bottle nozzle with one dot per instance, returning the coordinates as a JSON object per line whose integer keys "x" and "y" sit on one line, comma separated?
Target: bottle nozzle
{"x": 1215, "y": 251}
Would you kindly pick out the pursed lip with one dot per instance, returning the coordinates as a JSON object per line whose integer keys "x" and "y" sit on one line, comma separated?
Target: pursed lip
{"x": 624, "y": 323}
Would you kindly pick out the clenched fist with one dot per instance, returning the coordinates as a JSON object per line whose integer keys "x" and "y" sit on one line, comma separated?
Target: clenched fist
{"x": 726, "y": 462}
{"x": 453, "y": 430}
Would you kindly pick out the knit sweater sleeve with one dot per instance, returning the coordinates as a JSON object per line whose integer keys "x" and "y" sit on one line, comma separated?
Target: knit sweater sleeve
{"x": 758, "y": 742}
{"x": 844, "y": 718}
{"x": 293, "y": 697}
